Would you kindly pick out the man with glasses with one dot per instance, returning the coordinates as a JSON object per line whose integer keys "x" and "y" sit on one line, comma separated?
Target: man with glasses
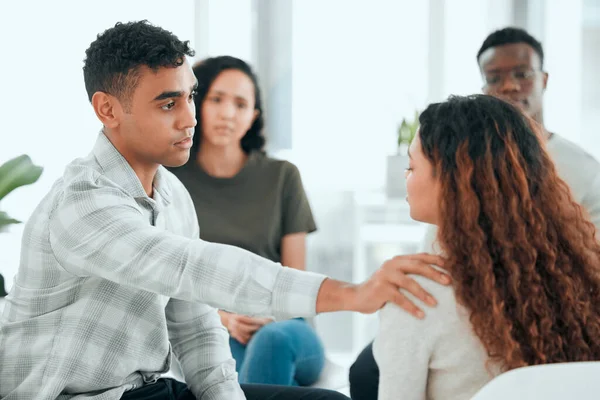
{"x": 512, "y": 65}
{"x": 511, "y": 62}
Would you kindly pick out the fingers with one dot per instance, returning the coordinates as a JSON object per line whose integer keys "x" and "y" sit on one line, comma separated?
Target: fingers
{"x": 240, "y": 337}
{"x": 415, "y": 265}
{"x": 402, "y": 301}
{"x": 263, "y": 321}
{"x": 250, "y": 322}
{"x": 428, "y": 258}
{"x": 399, "y": 280}
{"x": 241, "y": 332}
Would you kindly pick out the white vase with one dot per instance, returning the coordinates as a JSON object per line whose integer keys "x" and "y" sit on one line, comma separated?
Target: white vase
{"x": 395, "y": 182}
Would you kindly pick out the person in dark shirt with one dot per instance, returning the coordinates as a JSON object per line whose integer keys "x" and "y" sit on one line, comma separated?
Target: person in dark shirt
{"x": 247, "y": 199}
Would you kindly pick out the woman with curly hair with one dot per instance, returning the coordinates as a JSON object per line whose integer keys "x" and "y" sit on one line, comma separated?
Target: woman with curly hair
{"x": 522, "y": 254}
{"x": 246, "y": 199}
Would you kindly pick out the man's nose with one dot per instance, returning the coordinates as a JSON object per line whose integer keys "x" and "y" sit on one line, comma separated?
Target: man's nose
{"x": 508, "y": 84}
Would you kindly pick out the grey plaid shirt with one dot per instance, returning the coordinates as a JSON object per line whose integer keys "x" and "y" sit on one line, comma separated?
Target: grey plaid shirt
{"x": 111, "y": 281}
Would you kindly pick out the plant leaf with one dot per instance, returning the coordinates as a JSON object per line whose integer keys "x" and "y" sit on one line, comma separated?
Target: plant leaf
{"x": 19, "y": 171}
{"x": 6, "y": 220}
{"x": 408, "y": 129}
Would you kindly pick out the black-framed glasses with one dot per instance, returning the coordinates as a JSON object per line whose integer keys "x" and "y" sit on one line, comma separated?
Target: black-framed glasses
{"x": 522, "y": 76}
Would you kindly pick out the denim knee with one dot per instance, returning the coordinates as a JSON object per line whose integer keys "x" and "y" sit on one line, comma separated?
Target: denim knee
{"x": 272, "y": 336}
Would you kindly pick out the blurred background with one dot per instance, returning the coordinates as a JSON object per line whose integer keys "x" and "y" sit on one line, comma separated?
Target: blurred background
{"x": 338, "y": 76}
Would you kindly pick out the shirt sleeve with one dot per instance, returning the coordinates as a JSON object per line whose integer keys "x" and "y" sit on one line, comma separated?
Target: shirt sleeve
{"x": 297, "y": 214}
{"x": 99, "y": 231}
{"x": 201, "y": 345}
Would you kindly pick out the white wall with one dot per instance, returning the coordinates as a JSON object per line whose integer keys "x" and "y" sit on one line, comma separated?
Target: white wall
{"x": 224, "y": 27}
{"x": 466, "y": 25}
{"x": 570, "y": 33}
{"x": 359, "y": 67}
{"x": 44, "y": 110}
{"x": 591, "y": 89}
{"x": 562, "y": 41}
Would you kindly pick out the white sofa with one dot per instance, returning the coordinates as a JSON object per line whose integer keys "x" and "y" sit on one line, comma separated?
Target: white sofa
{"x": 563, "y": 381}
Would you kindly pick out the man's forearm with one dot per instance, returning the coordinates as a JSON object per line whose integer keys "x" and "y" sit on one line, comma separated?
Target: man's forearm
{"x": 335, "y": 296}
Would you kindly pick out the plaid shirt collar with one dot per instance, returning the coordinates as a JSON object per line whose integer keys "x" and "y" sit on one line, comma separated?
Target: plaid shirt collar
{"x": 116, "y": 168}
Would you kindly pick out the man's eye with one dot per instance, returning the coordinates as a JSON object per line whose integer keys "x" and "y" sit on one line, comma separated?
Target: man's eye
{"x": 492, "y": 79}
{"x": 521, "y": 74}
{"x": 168, "y": 106}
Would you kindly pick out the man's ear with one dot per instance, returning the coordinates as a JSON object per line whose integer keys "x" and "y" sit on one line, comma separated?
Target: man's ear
{"x": 545, "y": 80}
{"x": 107, "y": 108}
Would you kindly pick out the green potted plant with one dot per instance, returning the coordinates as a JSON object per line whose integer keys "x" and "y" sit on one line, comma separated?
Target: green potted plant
{"x": 397, "y": 163}
{"x": 19, "y": 171}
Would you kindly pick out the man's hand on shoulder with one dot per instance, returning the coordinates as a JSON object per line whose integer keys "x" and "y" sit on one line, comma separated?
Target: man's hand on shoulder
{"x": 384, "y": 285}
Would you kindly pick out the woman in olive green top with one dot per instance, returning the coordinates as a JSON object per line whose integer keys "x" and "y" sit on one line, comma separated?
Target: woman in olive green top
{"x": 246, "y": 199}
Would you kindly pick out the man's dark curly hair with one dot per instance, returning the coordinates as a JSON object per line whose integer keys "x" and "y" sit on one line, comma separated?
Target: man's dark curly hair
{"x": 511, "y": 35}
{"x": 114, "y": 59}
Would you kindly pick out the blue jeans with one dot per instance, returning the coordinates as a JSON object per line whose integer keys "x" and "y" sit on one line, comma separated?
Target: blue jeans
{"x": 281, "y": 353}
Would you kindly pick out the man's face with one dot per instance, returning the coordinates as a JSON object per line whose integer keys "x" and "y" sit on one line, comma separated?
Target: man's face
{"x": 158, "y": 126}
{"x": 513, "y": 72}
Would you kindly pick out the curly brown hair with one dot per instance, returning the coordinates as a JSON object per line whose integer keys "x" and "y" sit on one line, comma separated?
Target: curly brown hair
{"x": 523, "y": 257}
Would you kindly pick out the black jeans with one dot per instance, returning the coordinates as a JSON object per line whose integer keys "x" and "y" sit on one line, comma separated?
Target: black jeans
{"x": 364, "y": 376}
{"x": 170, "y": 389}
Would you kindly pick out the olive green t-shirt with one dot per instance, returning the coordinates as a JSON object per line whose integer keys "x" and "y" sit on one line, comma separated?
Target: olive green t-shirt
{"x": 254, "y": 209}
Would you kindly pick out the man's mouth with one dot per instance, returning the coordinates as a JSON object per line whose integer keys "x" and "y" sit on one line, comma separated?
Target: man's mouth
{"x": 524, "y": 103}
{"x": 185, "y": 143}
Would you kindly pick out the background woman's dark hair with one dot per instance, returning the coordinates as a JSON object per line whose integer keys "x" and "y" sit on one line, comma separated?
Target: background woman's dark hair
{"x": 524, "y": 259}
{"x": 206, "y": 72}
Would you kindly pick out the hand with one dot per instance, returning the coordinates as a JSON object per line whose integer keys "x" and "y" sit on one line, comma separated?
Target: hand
{"x": 242, "y": 327}
{"x": 383, "y": 286}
